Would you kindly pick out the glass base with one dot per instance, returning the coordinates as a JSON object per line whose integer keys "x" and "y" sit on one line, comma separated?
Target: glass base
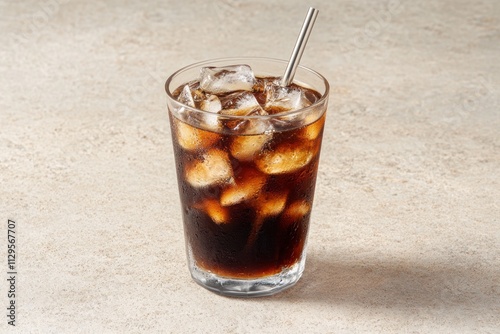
{"x": 256, "y": 287}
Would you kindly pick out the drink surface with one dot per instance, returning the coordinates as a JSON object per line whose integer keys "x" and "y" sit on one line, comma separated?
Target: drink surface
{"x": 246, "y": 185}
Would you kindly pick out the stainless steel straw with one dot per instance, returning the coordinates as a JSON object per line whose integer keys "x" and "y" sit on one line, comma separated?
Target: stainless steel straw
{"x": 299, "y": 46}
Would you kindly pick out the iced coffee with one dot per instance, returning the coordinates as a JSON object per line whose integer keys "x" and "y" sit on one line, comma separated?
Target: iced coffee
{"x": 247, "y": 153}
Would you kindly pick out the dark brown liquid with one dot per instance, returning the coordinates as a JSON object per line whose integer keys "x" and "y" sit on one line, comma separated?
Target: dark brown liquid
{"x": 246, "y": 243}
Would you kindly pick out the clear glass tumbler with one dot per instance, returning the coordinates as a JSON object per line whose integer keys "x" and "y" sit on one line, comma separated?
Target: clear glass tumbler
{"x": 246, "y": 184}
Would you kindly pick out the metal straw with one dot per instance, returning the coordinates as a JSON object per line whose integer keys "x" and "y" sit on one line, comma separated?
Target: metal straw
{"x": 299, "y": 47}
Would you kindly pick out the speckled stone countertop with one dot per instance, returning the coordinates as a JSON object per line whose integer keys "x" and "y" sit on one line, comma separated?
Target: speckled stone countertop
{"x": 405, "y": 229}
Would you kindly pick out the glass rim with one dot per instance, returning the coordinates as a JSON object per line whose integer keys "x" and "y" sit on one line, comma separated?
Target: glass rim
{"x": 320, "y": 101}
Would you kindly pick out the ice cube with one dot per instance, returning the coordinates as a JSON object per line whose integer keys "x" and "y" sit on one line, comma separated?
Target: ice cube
{"x": 285, "y": 158}
{"x": 217, "y": 213}
{"x": 262, "y": 83}
{"x": 244, "y": 104}
{"x": 211, "y": 122}
{"x": 191, "y": 138}
{"x": 245, "y": 148}
{"x": 246, "y": 186}
{"x": 213, "y": 168}
{"x": 249, "y": 126}
{"x": 226, "y": 79}
{"x": 190, "y": 95}
{"x": 211, "y": 103}
{"x": 314, "y": 127}
{"x": 288, "y": 98}
{"x": 241, "y": 104}
{"x": 270, "y": 204}
{"x": 298, "y": 209}
{"x": 186, "y": 96}
{"x": 295, "y": 211}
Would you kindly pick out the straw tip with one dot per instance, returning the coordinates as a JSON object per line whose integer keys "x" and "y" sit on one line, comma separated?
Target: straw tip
{"x": 299, "y": 46}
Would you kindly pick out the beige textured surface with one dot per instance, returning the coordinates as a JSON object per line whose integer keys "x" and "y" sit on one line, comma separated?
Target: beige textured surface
{"x": 406, "y": 223}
